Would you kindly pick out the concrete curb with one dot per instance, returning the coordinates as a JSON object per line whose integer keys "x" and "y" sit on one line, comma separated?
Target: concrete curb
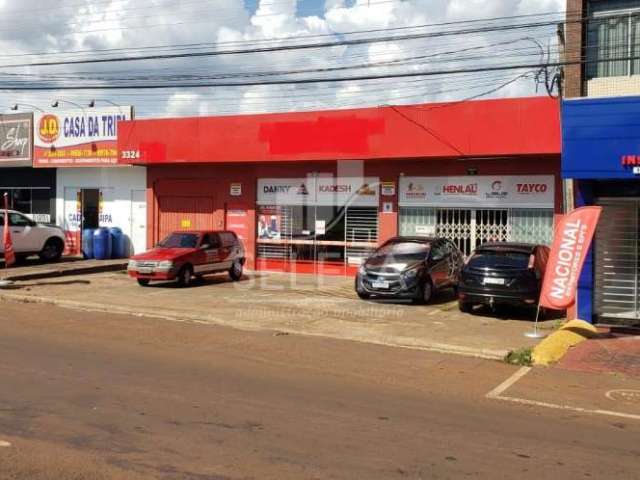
{"x": 210, "y": 319}
{"x": 556, "y": 345}
{"x": 65, "y": 272}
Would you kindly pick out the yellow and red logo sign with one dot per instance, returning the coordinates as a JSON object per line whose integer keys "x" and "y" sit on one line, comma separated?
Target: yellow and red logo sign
{"x": 49, "y": 128}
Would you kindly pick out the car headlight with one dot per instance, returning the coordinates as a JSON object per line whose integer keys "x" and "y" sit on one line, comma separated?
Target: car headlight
{"x": 410, "y": 274}
{"x": 132, "y": 265}
{"x": 362, "y": 270}
{"x": 165, "y": 265}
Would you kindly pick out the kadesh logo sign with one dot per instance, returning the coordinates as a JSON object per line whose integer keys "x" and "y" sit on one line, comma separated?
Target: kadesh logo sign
{"x": 16, "y": 140}
{"x": 79, "y": 137}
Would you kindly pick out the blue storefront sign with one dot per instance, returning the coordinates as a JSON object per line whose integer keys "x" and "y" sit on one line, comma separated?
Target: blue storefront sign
{"x": 601, "y": 152}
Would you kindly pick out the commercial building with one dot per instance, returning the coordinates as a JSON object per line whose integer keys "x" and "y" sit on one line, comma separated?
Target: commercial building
{"x": 317, "y": 191}
{"x": 91, "y": 189}
{"x": 600, "y": 121}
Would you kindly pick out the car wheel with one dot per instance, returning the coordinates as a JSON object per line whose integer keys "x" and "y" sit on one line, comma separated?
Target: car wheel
{"x": 426, "y": 292}
{"x": 185, "y": 275}
{"x": 52, "y": 250}
{"x": 143, "y": 282}
{"x": 360, "y": 291}
{"x": 20, "y": 259}
{"x": 235, "y": 272}
{"x": 465, "y": 307}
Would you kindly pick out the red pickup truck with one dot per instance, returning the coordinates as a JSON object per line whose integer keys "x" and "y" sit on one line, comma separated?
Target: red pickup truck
{"x": 185, "y": 255}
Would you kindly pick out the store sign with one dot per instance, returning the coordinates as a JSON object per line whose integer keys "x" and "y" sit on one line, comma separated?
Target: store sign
{"x": 388, "y": 189}
{"x": 632, "y": 163}
{"x": 235, "y": 189}
{"x": 535, "y": 191}
{"x": 319, "y": 191}
{"x": 16, "y": 142}
{"x": 78, "y": 138}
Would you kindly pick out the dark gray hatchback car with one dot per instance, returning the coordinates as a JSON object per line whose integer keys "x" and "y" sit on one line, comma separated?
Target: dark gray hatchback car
{"x": 411, "y": 268}
{"x": 503, "y": 274}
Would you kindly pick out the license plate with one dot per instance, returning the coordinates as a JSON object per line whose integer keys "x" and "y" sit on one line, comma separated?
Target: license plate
{"x": 380, "y": 284}
{"x": 145, "y": 270}
{"x": 494, "y": 281}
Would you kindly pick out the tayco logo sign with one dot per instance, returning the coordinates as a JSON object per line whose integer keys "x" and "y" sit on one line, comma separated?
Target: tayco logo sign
{"x": 530, "y": 188}
{"x": 49, "y": 128}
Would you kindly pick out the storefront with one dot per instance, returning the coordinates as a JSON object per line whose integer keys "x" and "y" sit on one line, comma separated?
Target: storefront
{"x": 30, "y": 191}
{"x": 316, "y": 192}
{"x": 92, "y": 189}
{"x": 473, "y": 210}
{"x": 601, "y": 154}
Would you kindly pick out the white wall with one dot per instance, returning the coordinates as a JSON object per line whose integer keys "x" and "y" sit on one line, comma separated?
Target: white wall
{"x": 120, "y": 182}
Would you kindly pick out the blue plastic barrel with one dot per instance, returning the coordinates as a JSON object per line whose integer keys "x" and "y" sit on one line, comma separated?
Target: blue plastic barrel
{"x": 102, "y": 244}
{"x": 87, "y": 243}
{"x": 117, "y": 243}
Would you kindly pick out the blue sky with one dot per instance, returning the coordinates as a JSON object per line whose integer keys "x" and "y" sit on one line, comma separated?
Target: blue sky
{"x": 305, "y": 7}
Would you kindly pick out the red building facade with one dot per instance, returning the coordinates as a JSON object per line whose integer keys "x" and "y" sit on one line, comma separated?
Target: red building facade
{"x": 316, "y": 191}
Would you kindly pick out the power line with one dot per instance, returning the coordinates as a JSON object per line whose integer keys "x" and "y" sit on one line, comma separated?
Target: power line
{"x": 279, "y": 48}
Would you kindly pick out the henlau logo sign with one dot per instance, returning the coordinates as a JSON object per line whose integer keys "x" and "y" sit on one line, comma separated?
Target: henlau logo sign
{"x": 469, "y": 189}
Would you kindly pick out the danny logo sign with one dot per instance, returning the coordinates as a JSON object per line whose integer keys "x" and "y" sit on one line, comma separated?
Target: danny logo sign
{"x": 80, "y": 137}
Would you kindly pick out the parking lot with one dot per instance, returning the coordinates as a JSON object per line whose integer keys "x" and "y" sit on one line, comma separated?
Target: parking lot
{"x": 292, "y": 304}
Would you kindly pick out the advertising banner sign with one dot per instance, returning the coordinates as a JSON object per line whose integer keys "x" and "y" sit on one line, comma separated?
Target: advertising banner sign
{"x": 325, "y": 191}
{"x": 568, "y": 252}
{"x": 78, "y": 138}
{"x": 16, "y": 140}
{"x": 533, "y": 191}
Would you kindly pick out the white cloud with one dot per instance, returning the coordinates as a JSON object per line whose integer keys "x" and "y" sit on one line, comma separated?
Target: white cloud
{"x": 30, "y": 28}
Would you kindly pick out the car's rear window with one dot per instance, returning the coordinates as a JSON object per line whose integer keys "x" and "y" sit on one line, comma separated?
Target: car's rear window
{"x": 499, "y": 259}
{"x": 180, "y": 240}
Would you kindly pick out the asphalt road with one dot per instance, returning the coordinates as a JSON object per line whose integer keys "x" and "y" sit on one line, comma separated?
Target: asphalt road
{"x": 94, "y": 396}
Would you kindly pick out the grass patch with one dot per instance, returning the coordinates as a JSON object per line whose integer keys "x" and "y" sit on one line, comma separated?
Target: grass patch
{"x": 522, "y": 356}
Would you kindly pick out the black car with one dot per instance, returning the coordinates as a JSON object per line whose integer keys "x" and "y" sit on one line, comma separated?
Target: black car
{"x": 410, "y": 268}
{"x": 503, "y": 274}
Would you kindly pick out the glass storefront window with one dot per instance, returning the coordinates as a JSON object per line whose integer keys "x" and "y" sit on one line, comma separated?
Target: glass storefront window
{"x": 327, "y": 220}
{"x": 35, "y": 202}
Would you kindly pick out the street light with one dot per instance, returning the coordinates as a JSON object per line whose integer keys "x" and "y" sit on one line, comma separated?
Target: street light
{"x": 92, "y": 103}
{"x": 16, "y": 106}
{"x": 57, "y": 103}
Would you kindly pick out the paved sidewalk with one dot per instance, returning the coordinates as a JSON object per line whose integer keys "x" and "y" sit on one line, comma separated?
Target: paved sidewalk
{"x": 34, "y": 269}
{"x": 617, "y": 354}
{"x": 282, "y": 303}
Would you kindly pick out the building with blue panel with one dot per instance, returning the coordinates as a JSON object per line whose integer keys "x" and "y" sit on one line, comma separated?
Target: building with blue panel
{"x": 601, "y": 155}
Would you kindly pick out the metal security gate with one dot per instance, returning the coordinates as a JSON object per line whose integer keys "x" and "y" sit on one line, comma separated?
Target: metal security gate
{"x": 469, "y": 228}
{"x": 617, "y": 262}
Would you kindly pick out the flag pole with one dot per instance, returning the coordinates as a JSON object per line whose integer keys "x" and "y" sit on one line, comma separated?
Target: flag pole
{"x": 536, "y": 333}
{"x": 4, "y": 282}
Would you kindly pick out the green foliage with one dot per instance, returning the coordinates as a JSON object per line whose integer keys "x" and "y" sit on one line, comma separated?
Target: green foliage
{"x": 522, "y": 356}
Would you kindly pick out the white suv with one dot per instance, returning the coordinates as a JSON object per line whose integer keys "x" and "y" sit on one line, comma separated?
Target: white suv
{"x": 31, "y": 238}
